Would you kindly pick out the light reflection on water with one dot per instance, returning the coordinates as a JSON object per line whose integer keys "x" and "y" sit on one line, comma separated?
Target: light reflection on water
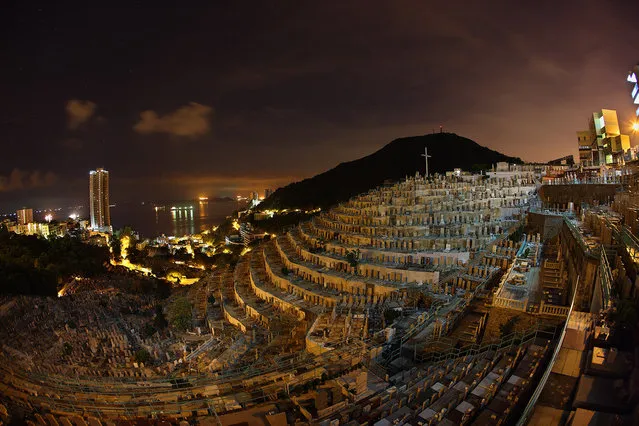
{"x": 189, "y": 217}
{"x": 182, "y": 220}
{"x": 150, "y": 221}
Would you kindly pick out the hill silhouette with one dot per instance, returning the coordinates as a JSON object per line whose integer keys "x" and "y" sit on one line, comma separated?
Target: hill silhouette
{"x": 398, "y": 159}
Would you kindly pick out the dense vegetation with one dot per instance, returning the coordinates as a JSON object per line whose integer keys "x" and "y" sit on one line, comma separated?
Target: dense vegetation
{"x": 181, "y": 314}
{"x": 400, "y": 158}
{"x": 35, "y": 266}
{"x": 277, "y": 223}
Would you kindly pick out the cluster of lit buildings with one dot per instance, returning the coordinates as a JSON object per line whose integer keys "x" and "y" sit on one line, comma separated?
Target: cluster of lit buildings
{"x": 100, "y": 220}
{"x": 604, "y": 143}
{"x": 255, "y": 198}
{"x": 26, "y": 225}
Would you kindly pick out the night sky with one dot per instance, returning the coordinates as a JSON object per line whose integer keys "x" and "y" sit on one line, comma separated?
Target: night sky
{"x": 177, "y": 101}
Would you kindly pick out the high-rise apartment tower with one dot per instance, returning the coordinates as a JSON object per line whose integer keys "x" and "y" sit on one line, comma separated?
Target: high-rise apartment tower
{"x": 24, "y": 216}
{"x": 99, "y": 200}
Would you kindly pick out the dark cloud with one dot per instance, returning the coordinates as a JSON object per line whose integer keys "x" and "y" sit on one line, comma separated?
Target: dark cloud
{"x": 24, "y": 179}
{"x": 299, "y": 87}
{"x": 72, "y": 143}
{"x": 192, "y": 120}
{"x": 79, "y": 112}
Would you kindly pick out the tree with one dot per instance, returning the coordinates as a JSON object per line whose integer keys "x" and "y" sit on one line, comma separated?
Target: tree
{"x": 142, "y": 355}
{"x": 181, "y": 314}
{"x": 159, "y": 321}
{"x": 352, "y": 256}
{"x": 116, "y": 248}
{"x": 182, "y": 254}
{"x": 67, "y": 349}
{"x": 134, "y": 255}
{"x": 32, "y": 265}
{"x": 517, "y": 235}
{"x": 148, "y": 330}
{"x": 625, "y": 314}
{"x": 127, "y": 231}
{"x": 390, "y": 315}
{"x": 479, "y": 167}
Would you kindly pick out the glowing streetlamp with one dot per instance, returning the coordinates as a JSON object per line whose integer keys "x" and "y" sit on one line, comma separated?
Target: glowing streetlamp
{"x": 48, "y": 217}
{"x": 635, "y": 126}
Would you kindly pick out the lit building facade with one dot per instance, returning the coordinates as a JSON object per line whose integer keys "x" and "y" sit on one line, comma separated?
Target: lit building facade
{"x": 607, "y": 145}
{"x": 46, "y": 230}
{"x": 99, "y": 200}
{"x": 24, "y": 216}
{"x": 633, "y": 76}
{"x": 584, "y": 140}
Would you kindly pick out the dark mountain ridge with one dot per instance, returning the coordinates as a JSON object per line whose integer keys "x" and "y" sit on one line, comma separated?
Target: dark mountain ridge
{"x": 398, "y": 159}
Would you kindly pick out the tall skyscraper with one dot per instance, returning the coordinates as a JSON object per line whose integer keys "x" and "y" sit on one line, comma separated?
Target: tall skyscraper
{"x": 24, "y": 216}
{"x": 99, "y": 200}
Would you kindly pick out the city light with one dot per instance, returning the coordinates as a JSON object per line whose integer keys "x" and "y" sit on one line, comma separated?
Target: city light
{"x": 73, "y": 216}
{"x": 48, "y": 217}
{"x": 635, "y": 126}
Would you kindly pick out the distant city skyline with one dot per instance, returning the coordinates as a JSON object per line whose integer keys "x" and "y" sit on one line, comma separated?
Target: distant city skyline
{"x": 231, "y": 98}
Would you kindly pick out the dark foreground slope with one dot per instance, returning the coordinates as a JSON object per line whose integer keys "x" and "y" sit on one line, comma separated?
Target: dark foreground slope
{"x": 400, "y": 158}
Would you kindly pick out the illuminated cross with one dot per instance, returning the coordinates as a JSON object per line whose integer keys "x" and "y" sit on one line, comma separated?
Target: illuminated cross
{"x": 426, "y": 157}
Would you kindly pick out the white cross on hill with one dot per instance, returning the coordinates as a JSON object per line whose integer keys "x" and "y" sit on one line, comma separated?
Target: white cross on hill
{"x": 426, "y": 157}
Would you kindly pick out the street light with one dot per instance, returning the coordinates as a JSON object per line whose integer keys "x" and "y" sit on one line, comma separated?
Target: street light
{"x": 635, "y": 126}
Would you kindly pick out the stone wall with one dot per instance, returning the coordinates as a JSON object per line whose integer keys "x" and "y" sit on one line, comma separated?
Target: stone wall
{"x": 546, "y": 225}
{"x": 558, "y": 196}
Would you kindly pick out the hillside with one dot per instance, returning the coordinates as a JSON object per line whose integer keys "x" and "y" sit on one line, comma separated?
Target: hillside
{"x": 400, "y": 158}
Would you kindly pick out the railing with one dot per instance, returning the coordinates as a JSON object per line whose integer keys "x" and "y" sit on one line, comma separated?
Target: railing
{"x": 554, "y": 310}
{"x": 577, "y": 236}
{"x": 624, "y": 236}
{"x": 513, "y": 339}
{"x": 542, "y": 382}
{"x": 631, "y": 242}
{"x": 605, "y": 275}
{"x": 520, "y": 305}
{"x": 612, "y": 180}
